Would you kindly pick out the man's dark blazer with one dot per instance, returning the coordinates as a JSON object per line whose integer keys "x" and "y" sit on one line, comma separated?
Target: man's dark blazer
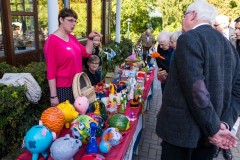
{"x": 202, "y": 89}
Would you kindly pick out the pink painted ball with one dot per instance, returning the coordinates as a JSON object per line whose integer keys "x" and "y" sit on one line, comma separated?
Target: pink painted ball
{"x": 81, "y": 104}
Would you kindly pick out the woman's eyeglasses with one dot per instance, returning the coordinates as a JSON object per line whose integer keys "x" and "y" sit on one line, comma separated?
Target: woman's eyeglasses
{"x": 71, "y": 20}
{"x": 95, "y": 63}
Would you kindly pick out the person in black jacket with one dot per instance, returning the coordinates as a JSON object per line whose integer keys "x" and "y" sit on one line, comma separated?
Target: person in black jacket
{"x": 92, "y": 70}
{"x": 164, "y": 49}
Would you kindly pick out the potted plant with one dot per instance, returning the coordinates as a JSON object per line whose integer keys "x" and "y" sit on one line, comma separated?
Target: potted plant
{"x": 21, "y": 45}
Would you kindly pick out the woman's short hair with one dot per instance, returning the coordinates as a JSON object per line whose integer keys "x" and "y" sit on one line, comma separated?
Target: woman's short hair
{"x": 67, "y": 12}
{"x": 175, "y": 35}
{"x": 164, "y": 37}
{"x": 205, "y": 11}
{"x": 93, "y": 58}
{"x": 237, "y": 20}
{"x": 222, "y": 19}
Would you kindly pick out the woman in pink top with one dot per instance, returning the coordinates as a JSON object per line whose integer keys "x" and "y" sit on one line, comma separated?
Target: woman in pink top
{"x": 63, "y": 55}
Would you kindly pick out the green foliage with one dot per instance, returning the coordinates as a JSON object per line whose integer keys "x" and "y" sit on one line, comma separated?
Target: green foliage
{"x": 173, "y": 10}
{"x": 17, "y": 114}
{"x": 138, "y": 11}
{"x": 13, "y": 105}
{"x": 122, "y": 49}
{"x": 229, "y": 8}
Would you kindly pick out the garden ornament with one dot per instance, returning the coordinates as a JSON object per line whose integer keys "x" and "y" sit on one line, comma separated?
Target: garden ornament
{"x": 81, "y": 104}
{"x": 38, "y": 139}
{"x": 65, "y": 148}
{"x": 69, "y": 112}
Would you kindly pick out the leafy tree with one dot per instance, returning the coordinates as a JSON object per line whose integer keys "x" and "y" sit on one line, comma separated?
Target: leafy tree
{"x": 138, "y": 11}
{"x": 173, "y": 10}
{"x": 229, "y": 8}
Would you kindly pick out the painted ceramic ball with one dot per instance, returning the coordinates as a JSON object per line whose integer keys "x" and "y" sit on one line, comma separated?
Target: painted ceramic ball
{"x": 38, "y": 139}
{"x": 93, "y": 156}
{"x": 100, "y": 123}
{"x": 112, "y": 135}
{"x": 81, "y": 104}
{"x": 53, "y": 118}
{"x": 104, "y": 147}
{"x": 80, "y": 127}
{"x": 119, "y": 121}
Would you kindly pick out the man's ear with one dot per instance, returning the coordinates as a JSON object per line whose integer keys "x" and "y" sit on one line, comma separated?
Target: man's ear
{"x": 194, "y": 16}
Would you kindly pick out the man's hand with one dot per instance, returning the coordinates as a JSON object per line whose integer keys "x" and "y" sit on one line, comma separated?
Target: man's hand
{"x": 162, "y": 75}
{"x": 224, "y": 138}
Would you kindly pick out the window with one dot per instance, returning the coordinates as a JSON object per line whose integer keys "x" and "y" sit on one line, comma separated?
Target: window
{"x": 23, "y": 33}
{"x": 23, "y": 25}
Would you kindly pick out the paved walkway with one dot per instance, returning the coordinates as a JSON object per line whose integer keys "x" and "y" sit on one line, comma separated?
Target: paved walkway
{"x": 150, "y": 144}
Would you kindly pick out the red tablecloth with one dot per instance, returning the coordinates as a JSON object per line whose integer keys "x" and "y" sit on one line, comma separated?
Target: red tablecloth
{"x": 116, "y": 152}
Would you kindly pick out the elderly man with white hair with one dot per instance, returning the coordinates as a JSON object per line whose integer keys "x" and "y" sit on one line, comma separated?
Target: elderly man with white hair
{"x": 222, "y": 25}
{"x": 201, "y": 98}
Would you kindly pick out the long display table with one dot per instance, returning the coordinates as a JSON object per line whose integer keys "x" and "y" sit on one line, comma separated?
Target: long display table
{"x": 125, "y": 149}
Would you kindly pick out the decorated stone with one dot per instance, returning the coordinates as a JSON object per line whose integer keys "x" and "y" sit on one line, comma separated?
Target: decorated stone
{"x": 112, "y": 135}
{"x": 81, "y": 104}
{"x": 53, "y": 118}
{"x": 119, "y": 121}
{"x": 69, "y": 112}
{"x": 65, "y": 147}
{"x": 100, "y": 123}
{"x": 38, "y": 139}
{"x": 80, "y": 127}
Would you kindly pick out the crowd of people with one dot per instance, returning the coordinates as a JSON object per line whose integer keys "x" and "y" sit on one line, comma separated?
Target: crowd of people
{"x": 200, "y": 78}
{"x": 200, "y": 85}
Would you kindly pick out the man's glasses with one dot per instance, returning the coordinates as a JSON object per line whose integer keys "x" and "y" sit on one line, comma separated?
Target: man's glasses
{"x": 216, "y": 25}
{"x": 185, "y": 14}
{"x": 71, "y": 20}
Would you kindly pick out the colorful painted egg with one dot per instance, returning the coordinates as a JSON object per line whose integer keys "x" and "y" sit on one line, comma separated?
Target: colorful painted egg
{"x": 104, "y": 147}
{"x": 100, "y": 123}
{"x": 80, "y": 127}
{"x": 93, "y": 156}
{"x": 81, "y": 104}
{"x": 112, "y": 135}
{"x": 119, "y": 121}
{"x": 53, "y": 118}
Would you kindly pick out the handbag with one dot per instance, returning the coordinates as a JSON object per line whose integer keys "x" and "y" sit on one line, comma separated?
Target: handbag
{"x": 82, "y": 87}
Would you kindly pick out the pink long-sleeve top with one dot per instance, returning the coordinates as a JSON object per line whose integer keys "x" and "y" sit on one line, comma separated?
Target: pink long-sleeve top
{"x": 63, "y": 59}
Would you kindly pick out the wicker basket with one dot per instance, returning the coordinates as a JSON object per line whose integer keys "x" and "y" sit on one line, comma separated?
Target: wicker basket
{"x": 82, "y": 87}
